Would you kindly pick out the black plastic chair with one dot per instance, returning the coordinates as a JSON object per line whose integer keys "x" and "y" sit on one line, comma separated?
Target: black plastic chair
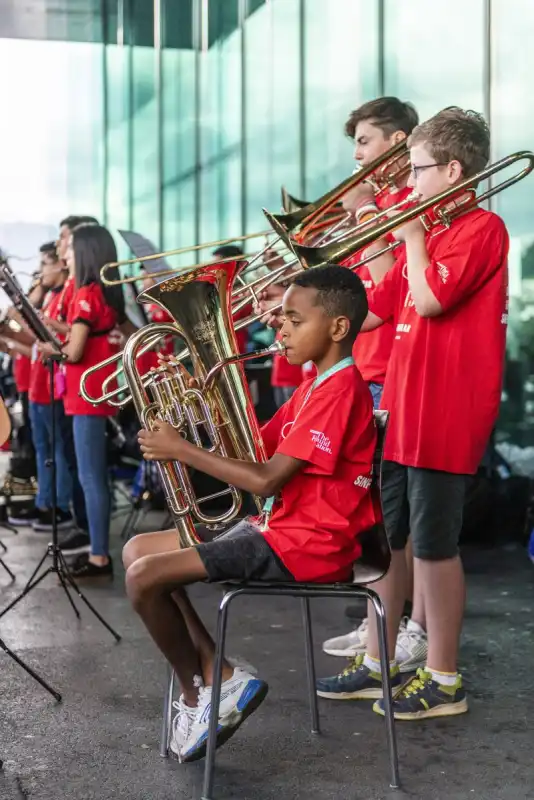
{"x": 372, "y": 565}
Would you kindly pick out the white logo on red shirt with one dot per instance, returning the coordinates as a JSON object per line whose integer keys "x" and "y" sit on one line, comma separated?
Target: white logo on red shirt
{"x": 403, "y": 327}
{"x": 363, "y": 481}
{"x": 443, "y": 272}
{"x": 368, "y": 284}
{"x": 408, "y": 301}
{"x": 85, "y": 306}
{"x": 321, "y": 441}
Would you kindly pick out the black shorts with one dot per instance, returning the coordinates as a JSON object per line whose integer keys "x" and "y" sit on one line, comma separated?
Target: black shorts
{"x": 426, "y": 503}
{"x": 241, "y": 553}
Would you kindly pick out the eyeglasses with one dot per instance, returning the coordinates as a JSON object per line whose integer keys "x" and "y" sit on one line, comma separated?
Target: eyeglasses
{"x": 416, "y": 169}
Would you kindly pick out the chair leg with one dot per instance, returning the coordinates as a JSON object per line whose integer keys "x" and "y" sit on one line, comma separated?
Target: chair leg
{"x": 310, "y": 664}
{"x": 386, "y": 683}
{"x": 209, "y": 769}
{"x": 167, "y": 714}
{"x": 4, "y": 565}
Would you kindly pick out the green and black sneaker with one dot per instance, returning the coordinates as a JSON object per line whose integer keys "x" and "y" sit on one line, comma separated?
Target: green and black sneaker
{"x": 423, "y": 698}
{"x": 356, "y": 682}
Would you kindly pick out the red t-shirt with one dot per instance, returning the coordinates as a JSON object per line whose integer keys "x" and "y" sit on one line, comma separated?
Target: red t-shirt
{"x": 165, "y": 347}
{"x": 21, "y": 372}
{"x": 65, "y": 299}
{"x": 320, "y": 512}
{"x": 283, "y": 373}
{"x": 443, "y": 385}
{"x": 89, "y": 307}
{"x": 372, "y": 350}
{"x": 39, "y": 378}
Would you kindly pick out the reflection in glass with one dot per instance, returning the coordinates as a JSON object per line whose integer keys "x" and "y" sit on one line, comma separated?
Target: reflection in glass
{"x": 341, "y": 73}
{"x": 419, "y": 64}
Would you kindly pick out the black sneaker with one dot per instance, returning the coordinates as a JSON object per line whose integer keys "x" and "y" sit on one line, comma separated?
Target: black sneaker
{"x": 86, "y": 569}
{"x": 75, "y": 543}
{"x": 23, "y": 516}
{"x": 64, "y": 520}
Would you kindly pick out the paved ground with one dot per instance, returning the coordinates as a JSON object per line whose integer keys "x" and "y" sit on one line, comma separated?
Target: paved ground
{"x": 102, "y": 741}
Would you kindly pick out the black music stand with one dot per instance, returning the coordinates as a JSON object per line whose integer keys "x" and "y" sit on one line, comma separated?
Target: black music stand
{"x": 29, "y": 670}
{"x": 58, "y": 566}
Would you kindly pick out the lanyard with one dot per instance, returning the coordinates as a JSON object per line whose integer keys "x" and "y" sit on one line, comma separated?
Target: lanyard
{"x": 343, "y": 364}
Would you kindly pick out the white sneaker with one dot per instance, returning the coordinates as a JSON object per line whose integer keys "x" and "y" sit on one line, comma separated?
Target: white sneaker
{"x": 181, "y": 727}
{"x": 412, "y": 647}
{"x": 350, "y": 645}
{"x": 240, "y": 696}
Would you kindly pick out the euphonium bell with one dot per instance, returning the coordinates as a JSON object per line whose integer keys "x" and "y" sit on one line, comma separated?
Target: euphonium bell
{"x": 219, "y": 413}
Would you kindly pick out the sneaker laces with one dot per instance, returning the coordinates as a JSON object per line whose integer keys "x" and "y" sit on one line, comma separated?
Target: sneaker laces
{"x": 184, "y": 717}
{"x": 186, "y": 714}
{"x": 353, "y": 666}
{"x": 416, "y": 684}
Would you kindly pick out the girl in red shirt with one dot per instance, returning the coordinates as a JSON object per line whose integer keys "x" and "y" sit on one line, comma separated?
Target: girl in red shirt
{"x": 93, "y": 315}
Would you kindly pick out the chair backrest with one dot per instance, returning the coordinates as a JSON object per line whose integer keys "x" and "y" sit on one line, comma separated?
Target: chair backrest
{"x": 381, "y": 422}
{"x": 376, "y": 553}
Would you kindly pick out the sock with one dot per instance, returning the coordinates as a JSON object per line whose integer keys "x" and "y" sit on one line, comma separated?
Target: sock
{"x": 374, "y": 664}
{"x": 445, "y": 678}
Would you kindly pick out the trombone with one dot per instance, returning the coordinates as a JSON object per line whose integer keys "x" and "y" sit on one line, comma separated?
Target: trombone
{"x": 304, "y": 222}
{"x": 325, "y": 216}
{"x": 445, "y": 207}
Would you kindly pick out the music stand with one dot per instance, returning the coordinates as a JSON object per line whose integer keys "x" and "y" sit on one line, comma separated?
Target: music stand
{"x": 59, "y": 566}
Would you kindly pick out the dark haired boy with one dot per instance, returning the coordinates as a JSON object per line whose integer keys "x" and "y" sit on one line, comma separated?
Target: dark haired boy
{"x": 320, "y": 446}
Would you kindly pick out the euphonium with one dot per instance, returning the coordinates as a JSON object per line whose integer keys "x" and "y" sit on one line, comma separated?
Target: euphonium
{"x": 219, "y": 413}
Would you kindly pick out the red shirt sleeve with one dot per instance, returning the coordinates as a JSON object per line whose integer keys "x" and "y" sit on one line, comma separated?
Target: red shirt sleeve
{"x": 85, "y": 307}
{"x": 317, "y": 434}
{"x": 475, "y": 254}
{"x": 383, "y": 298}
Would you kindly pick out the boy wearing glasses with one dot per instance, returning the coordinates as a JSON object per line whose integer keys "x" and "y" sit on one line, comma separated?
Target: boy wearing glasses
{"x": 447, "y": 298}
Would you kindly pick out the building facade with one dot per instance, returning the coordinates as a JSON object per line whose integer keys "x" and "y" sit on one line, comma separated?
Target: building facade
{"x": 181, "y": 119}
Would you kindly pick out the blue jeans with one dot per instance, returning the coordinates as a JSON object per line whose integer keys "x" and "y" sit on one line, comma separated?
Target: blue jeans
{"x": 41, "y": 421}
{"x": 78, "y": 497}
{"x": 90, "y": 442}
{"x": 376, "y": 390}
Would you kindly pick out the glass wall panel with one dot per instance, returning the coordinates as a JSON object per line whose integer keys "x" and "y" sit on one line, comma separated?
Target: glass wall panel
{"x": 220, "y": 75}
{"x": 512, "y": 120}
{"x": 341, "y": 73}
{"x": 260, "y": 187}
{"x": 51, "y": 159}
{"x": 145, "y": 177}
{"x": 431, "y": 69}
{"x": 179, "y": 219}
{"x": 118, "y": 140}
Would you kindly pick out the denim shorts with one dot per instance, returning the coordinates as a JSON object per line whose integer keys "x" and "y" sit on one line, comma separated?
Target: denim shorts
{"x": 428, "y": 505}
{"x": 241, "y": 553}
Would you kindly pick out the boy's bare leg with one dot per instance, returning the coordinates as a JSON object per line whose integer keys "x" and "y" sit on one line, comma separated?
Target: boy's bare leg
{"x": 443, "y": 585}
{"x": 418, "y": 603}
{"x": 164, "y": 542}
{"x": 409, "y": 572}
{"x": 392, "y": 591}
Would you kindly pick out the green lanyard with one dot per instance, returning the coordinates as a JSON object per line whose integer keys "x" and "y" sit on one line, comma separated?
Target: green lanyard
{"x": 343, "y": 364}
